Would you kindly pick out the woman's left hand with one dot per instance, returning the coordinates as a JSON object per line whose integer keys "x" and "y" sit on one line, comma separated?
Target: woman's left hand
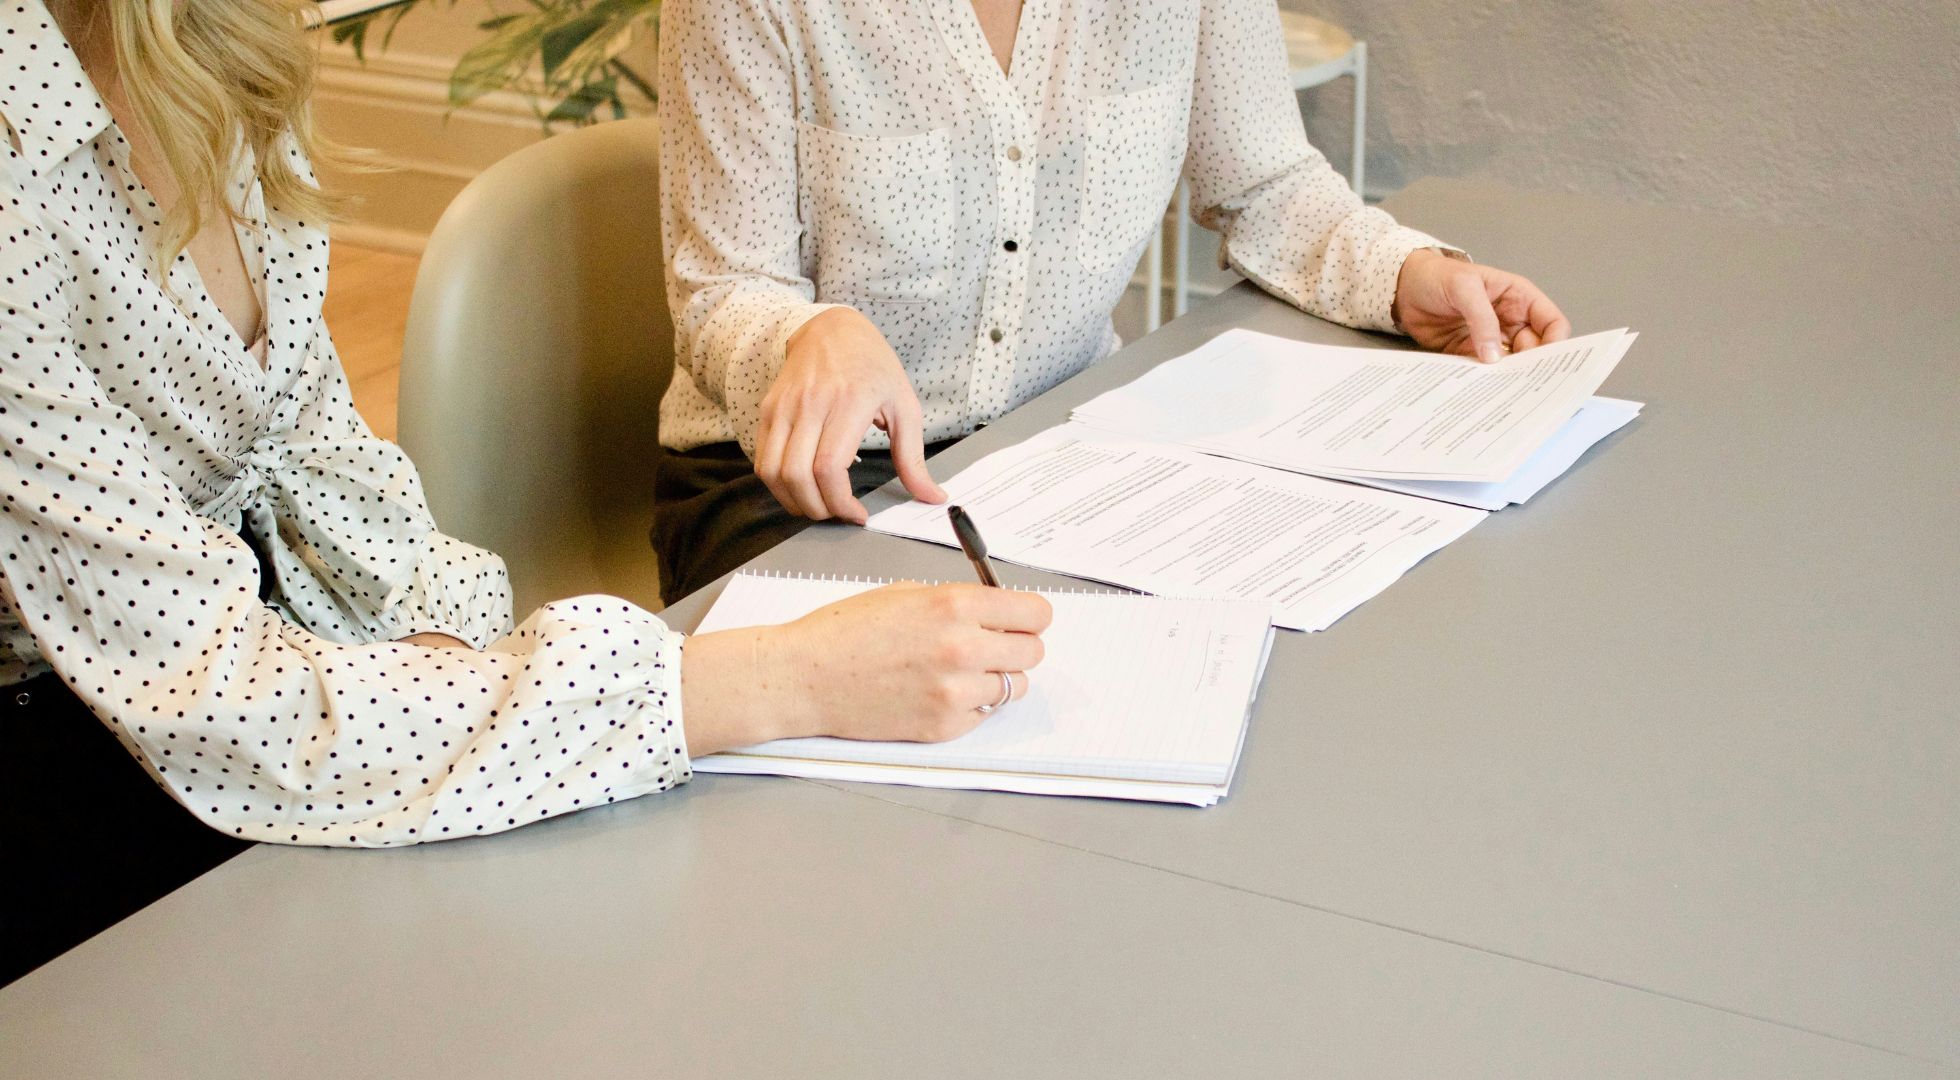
{"x": 1448, "y": 305}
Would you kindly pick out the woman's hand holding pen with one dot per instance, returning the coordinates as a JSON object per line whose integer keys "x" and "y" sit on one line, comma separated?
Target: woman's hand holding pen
{"x": 905, "y": 662}
{"x": 839, "y": 378}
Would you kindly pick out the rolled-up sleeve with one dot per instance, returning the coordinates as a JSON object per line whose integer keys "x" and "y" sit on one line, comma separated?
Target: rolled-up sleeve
{"x": 1291, "y": 223}
{"x": 728, "y": 202}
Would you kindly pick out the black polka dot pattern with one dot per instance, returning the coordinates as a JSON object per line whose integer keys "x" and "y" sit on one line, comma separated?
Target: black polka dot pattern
{"x": 144, "y": 444}
{"x": 822, "y": 152}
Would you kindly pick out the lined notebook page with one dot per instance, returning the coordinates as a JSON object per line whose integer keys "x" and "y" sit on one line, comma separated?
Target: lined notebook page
{"x": 1132, "y": 687}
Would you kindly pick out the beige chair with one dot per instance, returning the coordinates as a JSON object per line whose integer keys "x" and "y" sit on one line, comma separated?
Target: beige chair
{"x": 538, "y": 346}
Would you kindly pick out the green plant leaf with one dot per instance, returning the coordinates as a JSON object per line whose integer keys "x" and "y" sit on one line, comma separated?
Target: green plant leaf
{"x": 558, "y": 43}
{"x": 354, "y": 32}
{"x": 573, "y": 41}
{"x": 497, "y": 61}
{"x": 395, "y": 19}
{"x": 634, "y": 79}
{"x": 563, "y": 54}
{"x": 577, "y": 108}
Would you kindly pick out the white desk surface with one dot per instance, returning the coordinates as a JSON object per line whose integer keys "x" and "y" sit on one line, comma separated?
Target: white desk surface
{"x": 1656, "y": 776}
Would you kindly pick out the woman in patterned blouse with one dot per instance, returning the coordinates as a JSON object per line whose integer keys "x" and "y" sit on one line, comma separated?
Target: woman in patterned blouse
{"x": 206, "y": 550}
{"x": 888, "y": 224}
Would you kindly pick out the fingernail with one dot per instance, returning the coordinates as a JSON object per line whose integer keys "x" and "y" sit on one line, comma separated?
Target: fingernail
{"x": 1488, "y": 353}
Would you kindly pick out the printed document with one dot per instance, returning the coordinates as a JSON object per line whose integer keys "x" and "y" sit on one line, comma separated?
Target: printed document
{"x": 1596, "y": 419}
{"x": 1170, "y": 520}
{"x": 1352, "y": 412}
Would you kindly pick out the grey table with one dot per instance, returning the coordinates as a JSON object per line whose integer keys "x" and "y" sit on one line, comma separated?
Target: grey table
{"x": 1657, "y": 776}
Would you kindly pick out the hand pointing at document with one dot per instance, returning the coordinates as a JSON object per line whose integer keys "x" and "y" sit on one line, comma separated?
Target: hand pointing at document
{"x": 839, "y": 379}
{"x": 1454, "y": 306}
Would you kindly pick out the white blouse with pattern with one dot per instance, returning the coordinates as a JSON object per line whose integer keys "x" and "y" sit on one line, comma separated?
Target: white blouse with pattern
{"x": 150, "y": 463}
{"x": 873, "y": 154}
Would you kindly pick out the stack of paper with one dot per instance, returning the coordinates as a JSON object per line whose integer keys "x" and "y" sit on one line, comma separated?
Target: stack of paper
{"x": 1138, "y": 697}
{"x": 1204, "y": 477}
{"x": 1481, "y": 435}
{"x": 1166, "y": 519}
{"x": 1596, "y": 419}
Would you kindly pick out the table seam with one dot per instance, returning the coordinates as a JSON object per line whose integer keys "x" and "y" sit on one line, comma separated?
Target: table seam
{"x": 1428, "y": 935}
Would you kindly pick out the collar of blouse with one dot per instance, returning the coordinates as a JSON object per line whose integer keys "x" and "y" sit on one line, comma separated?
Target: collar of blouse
{"x": 55, "y": 110}
{"x": 269, "y": 489}
{"x": 48, "y": 100}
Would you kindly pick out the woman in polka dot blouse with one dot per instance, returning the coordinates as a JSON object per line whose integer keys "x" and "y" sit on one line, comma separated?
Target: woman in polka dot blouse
{"x": 888, "y": 224}
{"x": 205, "y": 550}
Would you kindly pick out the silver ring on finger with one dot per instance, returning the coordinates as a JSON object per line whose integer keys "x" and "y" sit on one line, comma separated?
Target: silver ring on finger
{"x": 1006, "y": 694}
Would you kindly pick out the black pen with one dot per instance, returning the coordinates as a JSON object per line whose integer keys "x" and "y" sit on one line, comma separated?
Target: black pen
{"x": 975, "y": 548}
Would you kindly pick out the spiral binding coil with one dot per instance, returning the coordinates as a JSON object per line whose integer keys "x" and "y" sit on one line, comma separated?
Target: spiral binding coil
{"x": 858, "y": 579}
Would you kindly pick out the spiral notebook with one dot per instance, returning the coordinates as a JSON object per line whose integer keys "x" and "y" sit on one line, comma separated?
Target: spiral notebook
{"x": 1138, "y": 697}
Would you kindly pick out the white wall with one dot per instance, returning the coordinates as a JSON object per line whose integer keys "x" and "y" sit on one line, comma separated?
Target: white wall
{"x": 1820, "y": 113}
{"x": 1824, "y": 113}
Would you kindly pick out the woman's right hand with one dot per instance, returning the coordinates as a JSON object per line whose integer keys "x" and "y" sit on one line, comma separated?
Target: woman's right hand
{"x": 905, "y": 662}
{"x": 839, "y": 378}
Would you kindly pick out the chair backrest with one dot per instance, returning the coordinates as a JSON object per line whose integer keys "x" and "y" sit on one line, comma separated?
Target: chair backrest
{"x": 538, "y": 346}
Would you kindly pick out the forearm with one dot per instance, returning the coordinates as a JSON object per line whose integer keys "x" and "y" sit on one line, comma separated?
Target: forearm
{"x": 904, "y": 662}
{"x": 733, "y": 695}
{"x": 1291, "y": 223}
{"x": 1322, "y": 250}
{"x": 733, "y": 336}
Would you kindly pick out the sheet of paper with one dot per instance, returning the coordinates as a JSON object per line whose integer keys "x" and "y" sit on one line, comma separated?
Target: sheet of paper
{"x": 1165, "y": 519}
{"x": 1337, "y": 411}
{"x": 1137, "y": 690}
{"x": 965, "y": 779}
{"x": 1596, "y": 419}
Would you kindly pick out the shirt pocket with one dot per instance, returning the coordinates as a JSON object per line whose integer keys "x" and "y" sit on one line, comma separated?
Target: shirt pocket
{"x": 883, "y": 212}
{"x": 1134, "y": 153}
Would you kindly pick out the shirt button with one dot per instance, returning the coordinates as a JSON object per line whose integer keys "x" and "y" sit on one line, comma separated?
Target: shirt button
{"x": 1013, "y": 153}
{"x": 995, "y": 335}
{"x": 1011, "y": 246}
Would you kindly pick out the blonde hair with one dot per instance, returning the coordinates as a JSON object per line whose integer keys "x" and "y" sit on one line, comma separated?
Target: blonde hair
{"x": 209, "y": 77}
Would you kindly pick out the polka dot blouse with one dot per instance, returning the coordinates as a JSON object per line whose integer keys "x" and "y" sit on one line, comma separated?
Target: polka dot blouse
{"x": 820, "y": 152}
{"x": 217, "y": 556}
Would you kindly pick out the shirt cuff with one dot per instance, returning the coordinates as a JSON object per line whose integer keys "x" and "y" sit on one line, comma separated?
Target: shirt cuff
{"x": 636, "y": 659}
{"x": 457, "y": 589}
{"x": 1383, "y": 272}
{"x": 668, "y": 760}
{"x": 744, "y": 408}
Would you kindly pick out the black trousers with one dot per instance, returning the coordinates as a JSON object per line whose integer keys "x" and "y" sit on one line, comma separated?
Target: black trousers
{"x": 86, "y": 837}
{"x": 712, "y": 513}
